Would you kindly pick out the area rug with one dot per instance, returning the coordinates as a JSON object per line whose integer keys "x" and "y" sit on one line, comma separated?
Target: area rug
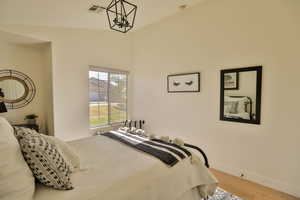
{"x": 223, "y": 195}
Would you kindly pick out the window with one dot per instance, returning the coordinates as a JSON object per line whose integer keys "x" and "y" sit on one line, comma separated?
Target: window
{"x": 107, "y": 96}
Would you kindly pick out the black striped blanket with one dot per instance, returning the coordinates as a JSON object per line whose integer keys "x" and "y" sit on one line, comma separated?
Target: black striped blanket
{"x": 168, "y": 153}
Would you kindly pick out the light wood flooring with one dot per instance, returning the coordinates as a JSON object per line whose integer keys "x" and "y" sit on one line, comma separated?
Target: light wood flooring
{"x": 247, "y": 189}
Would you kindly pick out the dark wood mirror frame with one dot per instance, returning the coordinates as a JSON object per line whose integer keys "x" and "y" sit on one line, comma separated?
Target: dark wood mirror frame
{"x": 257, "y": 119}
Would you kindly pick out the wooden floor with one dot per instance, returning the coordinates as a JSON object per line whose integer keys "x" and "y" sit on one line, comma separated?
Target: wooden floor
{"x": 248, "y": 190}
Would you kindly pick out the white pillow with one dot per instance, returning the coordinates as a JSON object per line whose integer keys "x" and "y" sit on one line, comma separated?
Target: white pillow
{"x": 16, "y": 179}
{"x": 66, "y": 151}
{"x": 241, "y": 102}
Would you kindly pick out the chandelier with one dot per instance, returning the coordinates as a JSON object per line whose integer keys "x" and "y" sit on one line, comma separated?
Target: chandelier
{"x": 121, "y": 15}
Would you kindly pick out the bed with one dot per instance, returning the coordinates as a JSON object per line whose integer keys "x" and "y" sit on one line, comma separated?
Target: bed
{"x": 113, "y": 171}
{"x": 109, "y": 170}
{"x": 238, "y": 107}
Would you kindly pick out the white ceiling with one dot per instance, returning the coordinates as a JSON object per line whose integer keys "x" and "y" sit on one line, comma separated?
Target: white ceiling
{"x": 18, "y": 39}
{"x": 75, "y": 14}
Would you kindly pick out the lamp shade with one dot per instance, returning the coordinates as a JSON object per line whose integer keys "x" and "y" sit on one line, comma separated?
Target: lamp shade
{"x": 2, "y": 104}
{"x": 2, "y": 107}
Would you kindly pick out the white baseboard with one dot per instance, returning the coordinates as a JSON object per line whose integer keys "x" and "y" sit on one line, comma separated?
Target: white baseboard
{"x": 257, "y": 178}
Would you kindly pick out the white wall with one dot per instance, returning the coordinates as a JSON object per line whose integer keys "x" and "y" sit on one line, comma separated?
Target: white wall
{"x": 30, "y": 60}
{"x": 73, "y": 54}
{"x": 47, "y": 73}
{"x": 217, "y": 35}
{"x": 73, "y": 50}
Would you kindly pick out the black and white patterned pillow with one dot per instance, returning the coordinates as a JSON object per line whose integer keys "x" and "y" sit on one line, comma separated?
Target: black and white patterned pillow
{"x": 44, "y": 160}
{"x": 21, "y": 132}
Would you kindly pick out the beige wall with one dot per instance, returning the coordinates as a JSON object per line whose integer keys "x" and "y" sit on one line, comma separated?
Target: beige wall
{"x": 30, "y": 60}
{"x": 73, "y": 50}
{"x": 217, "y": 35}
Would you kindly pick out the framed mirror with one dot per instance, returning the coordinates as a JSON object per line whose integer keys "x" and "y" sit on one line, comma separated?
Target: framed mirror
{"x": 17, "y": 89}
{"x": 241, "y": 95}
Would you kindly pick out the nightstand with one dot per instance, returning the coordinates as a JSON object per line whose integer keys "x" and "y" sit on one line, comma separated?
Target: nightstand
{"x": 31, "y": 126}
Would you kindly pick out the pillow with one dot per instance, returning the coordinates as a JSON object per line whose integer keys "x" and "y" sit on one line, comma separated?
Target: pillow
{"x": 240, "y": 102}
{"x": 44, "y": 160}
{"x": 66, "y": 151}
{"x": 21, "y": 132}
{"x": 231, "y": 107}
{"x": 16, "y": 179}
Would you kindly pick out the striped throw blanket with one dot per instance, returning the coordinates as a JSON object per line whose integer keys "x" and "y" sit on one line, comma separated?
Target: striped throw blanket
{"x": 168, "y": 153}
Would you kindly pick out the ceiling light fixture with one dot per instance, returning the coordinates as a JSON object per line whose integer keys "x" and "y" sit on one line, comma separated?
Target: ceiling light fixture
{"x": 120, "y": 13}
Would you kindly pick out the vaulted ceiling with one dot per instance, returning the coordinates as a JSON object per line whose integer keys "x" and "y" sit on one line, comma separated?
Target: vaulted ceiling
{"x": 18, "y": 39}
{"x": 75, "y": 14}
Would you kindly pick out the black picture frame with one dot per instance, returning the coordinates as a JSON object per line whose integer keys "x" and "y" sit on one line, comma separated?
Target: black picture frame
{"x": 237, "y": 81}
{"x": 184, "y": 74}
{"x": 257, "y": 119}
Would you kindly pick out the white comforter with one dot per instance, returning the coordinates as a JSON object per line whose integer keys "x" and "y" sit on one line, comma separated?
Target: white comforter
{"x": 114, "y": 171}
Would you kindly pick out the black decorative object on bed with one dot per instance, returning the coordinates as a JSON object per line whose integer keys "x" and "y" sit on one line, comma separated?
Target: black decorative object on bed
{"x": 137, "y": 123}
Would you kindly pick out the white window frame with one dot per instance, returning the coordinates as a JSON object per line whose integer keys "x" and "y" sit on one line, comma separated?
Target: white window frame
{"x": 110, "y": 70}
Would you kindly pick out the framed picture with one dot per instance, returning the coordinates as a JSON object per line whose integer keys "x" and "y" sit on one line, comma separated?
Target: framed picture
{"x": 188, "y": 82}
{"x": 231, "y": 81}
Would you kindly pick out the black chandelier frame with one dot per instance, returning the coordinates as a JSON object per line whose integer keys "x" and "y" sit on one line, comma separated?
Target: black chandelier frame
{"x": 122, "y": 26}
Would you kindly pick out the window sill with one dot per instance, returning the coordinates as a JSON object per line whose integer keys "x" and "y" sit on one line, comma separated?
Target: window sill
{"x": 106, "y": 128}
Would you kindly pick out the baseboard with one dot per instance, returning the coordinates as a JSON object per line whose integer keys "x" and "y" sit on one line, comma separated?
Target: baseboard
{"x": 257, "y": 178}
